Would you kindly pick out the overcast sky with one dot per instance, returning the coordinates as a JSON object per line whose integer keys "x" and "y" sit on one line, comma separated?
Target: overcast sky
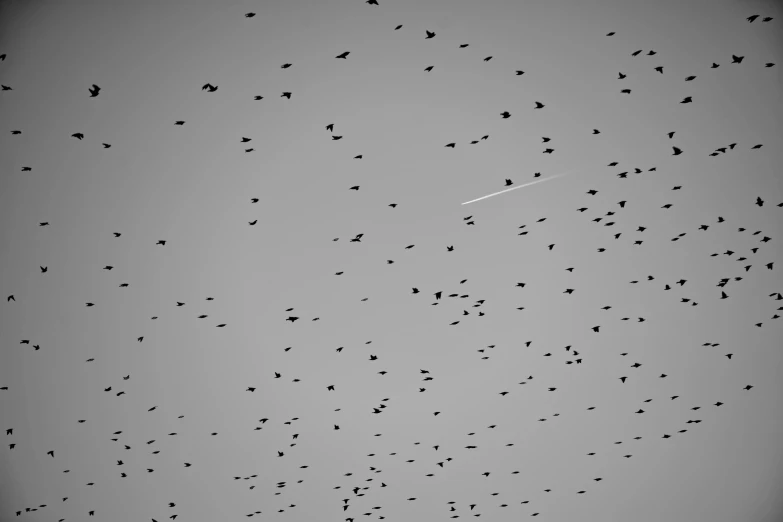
{"x": 511, "y": 318}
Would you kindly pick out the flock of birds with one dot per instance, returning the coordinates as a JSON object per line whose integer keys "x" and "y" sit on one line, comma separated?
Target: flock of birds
{"x": 747, "y": 261}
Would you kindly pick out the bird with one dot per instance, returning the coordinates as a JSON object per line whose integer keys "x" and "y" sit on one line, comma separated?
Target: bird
{"x": 430, "y": 34}
{"x": 94, "y": 90}
{"x": 343, "y": 55}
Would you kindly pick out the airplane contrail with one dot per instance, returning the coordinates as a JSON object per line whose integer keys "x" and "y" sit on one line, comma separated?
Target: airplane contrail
{"x": 514, "y": 188}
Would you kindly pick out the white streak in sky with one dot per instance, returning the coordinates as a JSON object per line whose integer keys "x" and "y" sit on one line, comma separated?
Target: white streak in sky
{"x": 514, "y": 188}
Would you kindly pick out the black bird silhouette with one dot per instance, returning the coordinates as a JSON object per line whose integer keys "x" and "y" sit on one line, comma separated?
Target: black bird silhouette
{"x": 736, "y": 59}
{"x": 94, "y": 91}
{"x": 344, "y": 55}
{"x": 430, "y": 34}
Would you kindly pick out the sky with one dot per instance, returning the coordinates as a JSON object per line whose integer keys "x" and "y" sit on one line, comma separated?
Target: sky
{"x": 684, "y": 272}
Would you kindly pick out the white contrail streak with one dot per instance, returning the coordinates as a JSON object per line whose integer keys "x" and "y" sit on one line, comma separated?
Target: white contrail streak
{"x": 514, "y": 188}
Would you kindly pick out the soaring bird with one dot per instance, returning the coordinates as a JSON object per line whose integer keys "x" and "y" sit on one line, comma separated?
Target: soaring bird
{"x": 344, "y": 55}
{"x": 94, "y": 91}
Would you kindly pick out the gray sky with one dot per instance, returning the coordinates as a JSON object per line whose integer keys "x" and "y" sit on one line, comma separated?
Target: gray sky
{"x": 192, "y": 185}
